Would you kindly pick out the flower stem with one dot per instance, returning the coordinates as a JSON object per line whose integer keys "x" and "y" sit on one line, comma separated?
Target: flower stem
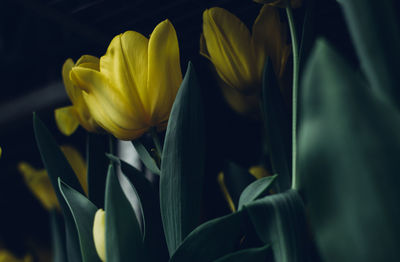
{"x": 156, "y": 140}
{"x": 295, "y": 51}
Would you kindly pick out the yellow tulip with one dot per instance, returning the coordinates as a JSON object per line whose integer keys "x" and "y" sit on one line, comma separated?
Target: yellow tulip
{"x": 280, "y": 3}
{"x": 6, "y": 256}
{"x": 99, "y": 233}
{"x": 239, "y": 56}
{"x": 136, "y": 84}
{"x": 259, "y": 172}
{"x": 68, "y": 118}
{"x": 39, "y": 183}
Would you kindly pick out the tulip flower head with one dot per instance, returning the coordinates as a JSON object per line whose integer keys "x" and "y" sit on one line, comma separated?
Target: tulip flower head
{"x": 6, "y": 256}
{"x": 99, "y": 233}
{"x": 39, "y": 183}
{"x": 68, "y": 118}
{"x": 137, "y": 81}
{"x": 239, "y": 56}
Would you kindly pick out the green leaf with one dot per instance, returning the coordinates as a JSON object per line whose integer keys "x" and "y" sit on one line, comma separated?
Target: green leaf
{"x": 83, "y": 212}
{"x": 250, "y": 254}
{"x": 349, "y": 148}
{"x": 277, "y": 128}
{"x": 146, "y": 158}
{"x": 57, "y": 236}
{"x": 97, "y": 164}
{"x": 147, "y": 195}
{"x": 236, "y": 179}
{"x": 212, "y": 239}
{"x": 257, "y": 189}
{"x": 182, "y": 164}
{"x": 374, "y": 29}
{"x": 279, "y": 220}
{"x": 123, "y": 236}
{"x": 57, "y": 166}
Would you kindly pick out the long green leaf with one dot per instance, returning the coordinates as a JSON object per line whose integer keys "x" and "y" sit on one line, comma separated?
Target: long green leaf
{"x": 277, "y": 127}
{"x": 182, "y": 164}
{"x": 279, "y": 220}
{"x": 97, "y": 163}
{"x": 250, "y": 254}
{"x": 257, "y": 189}
{"x": 146, "y": 158}
{"x": 123, "y": 235}
{"x": 83, "y": 212}
{"x": 374, "y": 28}
{"x": 212, "y": 239}
{"x": 349, "y": 148}
{"x": 58, "y": 236}
{"x": 57, "y": 166}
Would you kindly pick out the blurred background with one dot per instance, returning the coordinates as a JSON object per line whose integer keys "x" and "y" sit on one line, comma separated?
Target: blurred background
{"x": 37, "y": 36}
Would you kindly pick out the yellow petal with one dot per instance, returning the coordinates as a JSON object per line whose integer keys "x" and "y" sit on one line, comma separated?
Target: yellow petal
{"x": 6, "y": 256}
{"x": 40, "y": 185}
{"x": 225, "y": 192}
{"x": 125, "y": 67}
{"x": 269, "y": 39}
{"x": 77, "y": 163}
{"x": 108, "y": 106}
{"x": 203, "y": 47}
{"x": 1, "y": 151}
{"x": 72, "y": 92}
{"x": 165, "y": 76}
{"x": 66, "y": 119}
{"x": 258, "y": 172}
{"x": 228, "y": 43}
{"x": 89, "y": 61}
{"x": 99, "y": 233}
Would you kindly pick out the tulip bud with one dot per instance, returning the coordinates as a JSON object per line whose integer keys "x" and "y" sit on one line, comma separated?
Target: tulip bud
{"x": 99, "y": 233}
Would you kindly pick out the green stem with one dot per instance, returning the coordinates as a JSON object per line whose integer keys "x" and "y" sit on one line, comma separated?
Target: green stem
{"x": 295, "y": 51}
{"x": 156, "y": 140}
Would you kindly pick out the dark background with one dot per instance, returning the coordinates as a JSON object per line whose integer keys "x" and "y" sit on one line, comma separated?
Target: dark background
{"x": 37, "y": 36}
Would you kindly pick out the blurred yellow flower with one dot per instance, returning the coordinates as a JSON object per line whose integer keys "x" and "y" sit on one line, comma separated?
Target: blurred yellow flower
{"x": 280, "y": 3}
{"x": 239, "y": 56}
{"x": 68, "y": 118}
{"x": 1, "y": 151}
{"x": 99, "y": 233}
{"x": 6, "y": 256}
{"x": 259, "y": 172}
{"x": 136, "y": 84}
{"x": 39, "y": 183}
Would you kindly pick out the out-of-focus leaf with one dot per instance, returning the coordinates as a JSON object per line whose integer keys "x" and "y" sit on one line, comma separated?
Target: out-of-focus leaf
{"x": 182, "y": 164}
{"x": 57, "y": 166}
{"x": 279, "y": 220}
{"x": 277, "y": 128}
{"x": 349, "y": 148}
{"x": 123, "y": 236}
{"x": 83, "y": 212}
{"x": 146, "y": 158}
{"x": 212, "y": 239}
{"x": 250, "y": 254}
{"x": 58, "y": 237}
{"x": 97, "y": 163}
{"x": 236, "y": 179}
{"x": 257, "y": 189}
{"x": 374, "y": 29}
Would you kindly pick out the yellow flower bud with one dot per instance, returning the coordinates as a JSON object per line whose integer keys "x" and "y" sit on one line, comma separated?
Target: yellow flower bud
{"x": 280, "y": 3}
{"x": 68, "y": 118}
{"x": 6, "y": 256}
{"x": 99, "y": 233}
{"x": 239, "y": 56}
{"x": 39, "y": 183}
{"x": 136, "y": 84}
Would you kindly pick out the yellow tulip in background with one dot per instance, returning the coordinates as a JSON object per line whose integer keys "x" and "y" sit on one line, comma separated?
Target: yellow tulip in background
{"x": 39, "y": 183}
{"x": 6, "y": 256}
{"x": 135, "y": 86}
{"x": 68, "y": 118}
{"x": 99, "y": 233}
{"x": 239, "y": 56}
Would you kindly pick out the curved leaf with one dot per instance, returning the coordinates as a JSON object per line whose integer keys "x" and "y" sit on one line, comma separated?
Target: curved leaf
{"x": 250, "y": 254}
{"x": 258, "y": 188}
